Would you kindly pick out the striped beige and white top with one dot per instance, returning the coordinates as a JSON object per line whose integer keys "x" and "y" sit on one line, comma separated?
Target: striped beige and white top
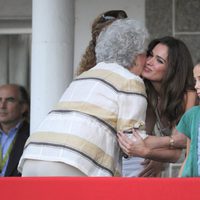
{"x": 81, "y": 129}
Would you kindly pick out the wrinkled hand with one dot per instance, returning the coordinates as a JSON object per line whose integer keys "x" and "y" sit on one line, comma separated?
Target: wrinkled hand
{"x": 152, "y": 168}
{"x": 132, "y": 146}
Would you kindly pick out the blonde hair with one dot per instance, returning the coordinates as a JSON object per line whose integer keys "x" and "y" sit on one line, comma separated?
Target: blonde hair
{"x": 88, "y": 59}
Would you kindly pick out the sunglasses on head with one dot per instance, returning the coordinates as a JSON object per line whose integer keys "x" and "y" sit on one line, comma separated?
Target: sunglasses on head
{"x": 113, "y": 14}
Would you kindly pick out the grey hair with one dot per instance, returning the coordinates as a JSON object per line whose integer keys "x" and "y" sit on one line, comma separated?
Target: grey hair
{"x": 121, "y": 42}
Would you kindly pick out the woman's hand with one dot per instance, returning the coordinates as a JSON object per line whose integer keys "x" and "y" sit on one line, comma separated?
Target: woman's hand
{"x": 132, "y": 146}
{"x": 152, "y": 168}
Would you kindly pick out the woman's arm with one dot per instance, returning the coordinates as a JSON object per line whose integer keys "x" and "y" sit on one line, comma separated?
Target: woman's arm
{"x": 163, "y": 154}
{"x": 136, "y": 146}
{"x": 177, "y": 140}
{"x": 152, "y": 168}
{"x": 165, "y": 149}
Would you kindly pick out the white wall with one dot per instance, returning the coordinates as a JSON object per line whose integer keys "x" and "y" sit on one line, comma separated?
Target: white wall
{"x": 15, "y": 9}
{"x": 87, "y": 10}
{"x": 15, "y": 16}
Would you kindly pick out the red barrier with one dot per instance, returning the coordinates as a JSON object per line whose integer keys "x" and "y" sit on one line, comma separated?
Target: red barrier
{"x": 62, "y": 188}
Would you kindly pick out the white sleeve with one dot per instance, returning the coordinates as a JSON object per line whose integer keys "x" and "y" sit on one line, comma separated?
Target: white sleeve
{"x": 132, "y": 109}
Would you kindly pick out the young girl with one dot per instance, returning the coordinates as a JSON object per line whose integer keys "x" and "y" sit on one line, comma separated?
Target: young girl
{"x": 189, "y": 125}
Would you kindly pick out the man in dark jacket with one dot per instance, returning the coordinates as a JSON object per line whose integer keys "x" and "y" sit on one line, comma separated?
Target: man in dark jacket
{"x": 14, "y": 127}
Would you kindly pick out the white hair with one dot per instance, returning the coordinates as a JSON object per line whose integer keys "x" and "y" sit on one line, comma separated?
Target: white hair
{"x": 121, "y": 42}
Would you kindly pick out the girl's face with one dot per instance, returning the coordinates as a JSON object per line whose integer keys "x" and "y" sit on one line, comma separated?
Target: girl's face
{"x": 196, "y": 74}
{"x": 156, "y": 64}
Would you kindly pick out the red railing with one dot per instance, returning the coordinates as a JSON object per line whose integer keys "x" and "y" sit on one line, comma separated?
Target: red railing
{"x": 62, "y": 188}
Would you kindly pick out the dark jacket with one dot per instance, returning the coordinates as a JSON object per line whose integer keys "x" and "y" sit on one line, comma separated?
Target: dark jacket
{"x": 17, "y": 150}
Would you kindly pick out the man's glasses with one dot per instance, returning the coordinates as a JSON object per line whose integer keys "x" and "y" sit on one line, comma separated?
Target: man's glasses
{"x": 113, "y": 14}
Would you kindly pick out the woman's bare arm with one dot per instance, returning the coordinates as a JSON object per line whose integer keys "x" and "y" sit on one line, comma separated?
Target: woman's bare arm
{"x": 136, "y": 146}
{"x": 159, "y": 148}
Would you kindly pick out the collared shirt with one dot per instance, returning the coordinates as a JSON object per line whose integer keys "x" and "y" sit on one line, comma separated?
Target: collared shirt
{"x": 6, "y": 140}
{"x": 81, "y": 129}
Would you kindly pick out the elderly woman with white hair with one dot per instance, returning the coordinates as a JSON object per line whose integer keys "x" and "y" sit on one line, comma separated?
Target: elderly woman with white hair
{"x": 79, "y": 135}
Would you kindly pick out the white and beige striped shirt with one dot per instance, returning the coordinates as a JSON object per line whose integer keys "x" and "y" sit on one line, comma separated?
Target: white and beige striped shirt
{"x": 81, "y": 129}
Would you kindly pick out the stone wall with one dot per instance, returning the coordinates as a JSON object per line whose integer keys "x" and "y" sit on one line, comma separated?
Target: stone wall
{"x": 179, "y": 18}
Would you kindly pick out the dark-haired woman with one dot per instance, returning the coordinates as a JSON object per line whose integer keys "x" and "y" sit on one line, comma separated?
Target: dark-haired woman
{"x": 170, "y": 89}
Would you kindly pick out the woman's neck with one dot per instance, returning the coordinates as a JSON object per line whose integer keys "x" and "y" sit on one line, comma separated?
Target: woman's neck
{"x": 157, "y": 86}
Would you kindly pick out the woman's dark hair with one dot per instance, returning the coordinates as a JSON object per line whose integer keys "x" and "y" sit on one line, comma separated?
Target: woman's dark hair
{"x": 176, "y": 82}
{"x": 88, "y": 59}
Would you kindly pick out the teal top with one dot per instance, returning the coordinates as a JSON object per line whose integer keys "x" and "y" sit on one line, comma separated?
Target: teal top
{"x": 189, "y": 125}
